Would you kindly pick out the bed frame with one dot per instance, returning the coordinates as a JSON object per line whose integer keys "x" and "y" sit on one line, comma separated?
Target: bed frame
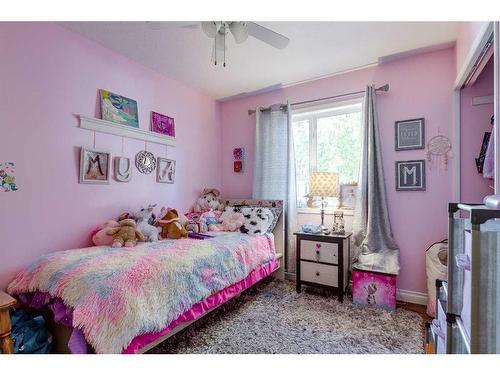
{"x": 61, "y": 333}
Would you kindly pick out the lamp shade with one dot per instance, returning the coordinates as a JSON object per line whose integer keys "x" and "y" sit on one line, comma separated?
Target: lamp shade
{"x": 324, "y": 184}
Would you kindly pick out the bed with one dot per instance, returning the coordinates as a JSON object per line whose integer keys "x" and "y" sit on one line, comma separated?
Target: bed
{"x": 129, "y": 300}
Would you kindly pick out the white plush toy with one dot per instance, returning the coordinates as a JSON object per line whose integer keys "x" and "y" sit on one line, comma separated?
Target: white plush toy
{"x": 208, "y": 201}
{"x": 144, "y": 217}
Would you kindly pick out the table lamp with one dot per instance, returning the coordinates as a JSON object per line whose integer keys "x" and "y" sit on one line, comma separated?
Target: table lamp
{"x": 324, "y": 184}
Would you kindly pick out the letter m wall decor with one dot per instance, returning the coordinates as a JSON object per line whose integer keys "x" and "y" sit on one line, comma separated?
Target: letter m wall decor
{"x": 410, "y": 175}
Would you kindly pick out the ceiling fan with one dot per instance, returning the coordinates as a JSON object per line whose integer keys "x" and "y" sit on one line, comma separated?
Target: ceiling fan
{"x": 240, "y": 30}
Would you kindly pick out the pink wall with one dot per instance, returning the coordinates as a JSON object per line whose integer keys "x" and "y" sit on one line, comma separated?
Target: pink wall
{"x": 467, "y": 34}
{"x": 420, "y": 86}
{"x": 475, "y": 120}
{"x": 48, "y": 75}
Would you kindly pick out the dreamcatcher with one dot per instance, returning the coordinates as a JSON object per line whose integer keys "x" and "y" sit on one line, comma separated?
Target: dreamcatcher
{"x": 439, "y": 147}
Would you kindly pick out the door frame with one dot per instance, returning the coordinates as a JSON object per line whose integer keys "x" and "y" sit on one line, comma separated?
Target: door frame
{"x": 467, "y": 67}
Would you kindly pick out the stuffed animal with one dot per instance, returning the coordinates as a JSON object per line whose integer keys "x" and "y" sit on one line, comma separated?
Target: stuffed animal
{"x": 230, "y": 222}
{"x": 195, "y": 223}
{"x": 170, "y": 224}
{"x": 126, "y": 234}
{"x": 100, "y": 236}
{"x": 208, "y": 201}
{"x": 143, "y": 217}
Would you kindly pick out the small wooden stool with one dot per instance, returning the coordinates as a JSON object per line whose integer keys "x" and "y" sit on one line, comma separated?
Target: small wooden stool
{"x": 6, "y": 303}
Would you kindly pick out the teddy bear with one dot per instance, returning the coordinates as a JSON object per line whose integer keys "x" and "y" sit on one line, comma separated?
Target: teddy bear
{"x": 171, "y": 224}
{"x": 144, "y": 217}
{"x": 100, "y": 236}
{"x": 126, "y": 234}
{"x": 208, "y": 201}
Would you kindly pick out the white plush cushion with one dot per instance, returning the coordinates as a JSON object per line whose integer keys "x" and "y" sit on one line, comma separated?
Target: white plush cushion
{"x": 257, "y": 220}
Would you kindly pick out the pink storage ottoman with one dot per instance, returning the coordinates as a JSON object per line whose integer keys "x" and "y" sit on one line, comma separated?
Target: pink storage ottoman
{"x": 374, "y": 289}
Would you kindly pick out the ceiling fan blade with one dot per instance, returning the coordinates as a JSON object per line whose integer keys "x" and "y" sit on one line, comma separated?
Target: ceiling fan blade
{"x": 239, "y": 31}
{"x": 267, "y": 35}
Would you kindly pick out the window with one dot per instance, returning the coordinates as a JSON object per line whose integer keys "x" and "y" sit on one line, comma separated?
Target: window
{"x": 327, "y": 139}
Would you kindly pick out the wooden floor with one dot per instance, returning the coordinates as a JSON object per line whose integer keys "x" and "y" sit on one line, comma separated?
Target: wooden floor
{"x": 420, "y": 309}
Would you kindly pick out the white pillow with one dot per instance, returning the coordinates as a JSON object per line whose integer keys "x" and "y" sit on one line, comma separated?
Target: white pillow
{"x": 257, "y": 220}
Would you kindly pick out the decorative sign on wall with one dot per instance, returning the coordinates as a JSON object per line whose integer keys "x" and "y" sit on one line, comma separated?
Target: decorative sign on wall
{"x": 119, "y": 109}
{"x": 7, "y": 178}
{"x": 94, "y": 166}
{"x": 410, "y": 175}
{"x": 165, "y": 172}
{"x": 123, "y": 169}
{"x": 145, "y": 162}
{"x": 410, "y": 134}
{"x": 238, "y": 156}
{"x": 162, "y": 124}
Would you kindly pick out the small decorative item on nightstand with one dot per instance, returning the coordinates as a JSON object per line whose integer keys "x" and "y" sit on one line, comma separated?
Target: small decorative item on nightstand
{"x": 323, "y": 260}
{"x": 338, "y": 223}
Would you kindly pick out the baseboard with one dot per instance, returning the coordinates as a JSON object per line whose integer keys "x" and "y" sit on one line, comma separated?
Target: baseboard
{"x": 417, "y": 298}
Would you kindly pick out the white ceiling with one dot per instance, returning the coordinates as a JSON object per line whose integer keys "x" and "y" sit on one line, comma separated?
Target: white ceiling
{"x": 316, "y": 49}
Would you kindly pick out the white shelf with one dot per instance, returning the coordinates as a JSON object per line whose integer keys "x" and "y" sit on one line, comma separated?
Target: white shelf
{"x": 103, "y": 126}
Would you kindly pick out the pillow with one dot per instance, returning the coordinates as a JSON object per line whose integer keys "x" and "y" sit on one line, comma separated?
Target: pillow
{"x": 257, "y": 220}
{"x": 276, "y": 211}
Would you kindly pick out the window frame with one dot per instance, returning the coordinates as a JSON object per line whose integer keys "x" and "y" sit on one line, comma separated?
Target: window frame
{"x": 312, "y": 114}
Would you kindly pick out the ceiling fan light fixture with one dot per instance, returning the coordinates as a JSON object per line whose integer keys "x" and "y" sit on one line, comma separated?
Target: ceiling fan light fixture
{"x": 239, "y": 30}
{"x": 210, "y": 28}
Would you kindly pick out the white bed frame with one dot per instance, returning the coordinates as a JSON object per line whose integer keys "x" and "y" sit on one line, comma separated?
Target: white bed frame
{"x": 62, "y": 333}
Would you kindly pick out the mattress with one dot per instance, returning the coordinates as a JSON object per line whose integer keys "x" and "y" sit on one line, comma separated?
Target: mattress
{"x": 117, "y": 295}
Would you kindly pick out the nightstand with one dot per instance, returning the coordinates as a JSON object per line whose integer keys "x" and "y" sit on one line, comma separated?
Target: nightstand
{"x": 6, "y": 303}
{"x": 323, "y": 260}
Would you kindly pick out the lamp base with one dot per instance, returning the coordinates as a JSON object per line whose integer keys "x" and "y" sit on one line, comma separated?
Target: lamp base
{"x": 324, "y": 229}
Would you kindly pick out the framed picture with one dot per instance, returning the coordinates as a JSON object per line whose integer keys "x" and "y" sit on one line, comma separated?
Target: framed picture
{"x": 347, "y": 197}
{"x": 238, "y": 153}
{"x": 238, "y": 166}
{"x": 94, "y": 166}
{"x": 410, "y": 175}
{"x": 410, "y": 134}
{"x": 119, "y": 109}
{"x": 165, "y": 171}
{"x": 162, "y": 124}
{"x": 123, "y": 169}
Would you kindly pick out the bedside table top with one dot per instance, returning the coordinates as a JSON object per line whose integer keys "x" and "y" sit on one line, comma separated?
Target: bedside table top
{"x": 331, "y": 235}
{"x": 6, "y": 301}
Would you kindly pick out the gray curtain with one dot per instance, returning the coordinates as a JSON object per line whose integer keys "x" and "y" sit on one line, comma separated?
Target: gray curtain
{"x": 274, "y": 169}
{"x": 375, "y": 248}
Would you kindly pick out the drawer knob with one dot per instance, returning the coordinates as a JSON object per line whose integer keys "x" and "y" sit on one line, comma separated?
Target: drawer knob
{"x": 317, "y": 252}
{"x": 317, "y": 273}
{"x": 318, "y": 245}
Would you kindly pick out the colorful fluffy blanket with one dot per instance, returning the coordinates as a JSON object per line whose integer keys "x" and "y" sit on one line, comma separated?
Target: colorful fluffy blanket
{"x": 117, "y": 294}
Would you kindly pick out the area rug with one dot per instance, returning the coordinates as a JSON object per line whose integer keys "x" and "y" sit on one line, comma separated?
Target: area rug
{"x": 272, "y": 318}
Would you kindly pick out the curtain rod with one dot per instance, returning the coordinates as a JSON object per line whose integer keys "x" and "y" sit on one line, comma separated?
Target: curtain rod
{"x": 383, "y": 88}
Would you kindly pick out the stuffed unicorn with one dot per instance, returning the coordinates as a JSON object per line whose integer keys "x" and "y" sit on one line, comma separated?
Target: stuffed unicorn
{"x": 144, "y": 217}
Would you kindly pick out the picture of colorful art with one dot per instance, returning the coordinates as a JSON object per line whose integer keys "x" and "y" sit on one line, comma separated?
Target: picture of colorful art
{"x": 7, "y": 178}
{"x": 238, "y": 153}
{"x": 162, "y": 124}
{"x": 119, "y": 109}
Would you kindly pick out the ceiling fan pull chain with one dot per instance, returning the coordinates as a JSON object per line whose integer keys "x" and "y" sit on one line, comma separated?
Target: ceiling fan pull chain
{"x": 224, "y": 65}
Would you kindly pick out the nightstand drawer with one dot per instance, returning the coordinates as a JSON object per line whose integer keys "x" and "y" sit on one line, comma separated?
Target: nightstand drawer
{"x": 325, "y": 252}
{"x": 319, "y": 273}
